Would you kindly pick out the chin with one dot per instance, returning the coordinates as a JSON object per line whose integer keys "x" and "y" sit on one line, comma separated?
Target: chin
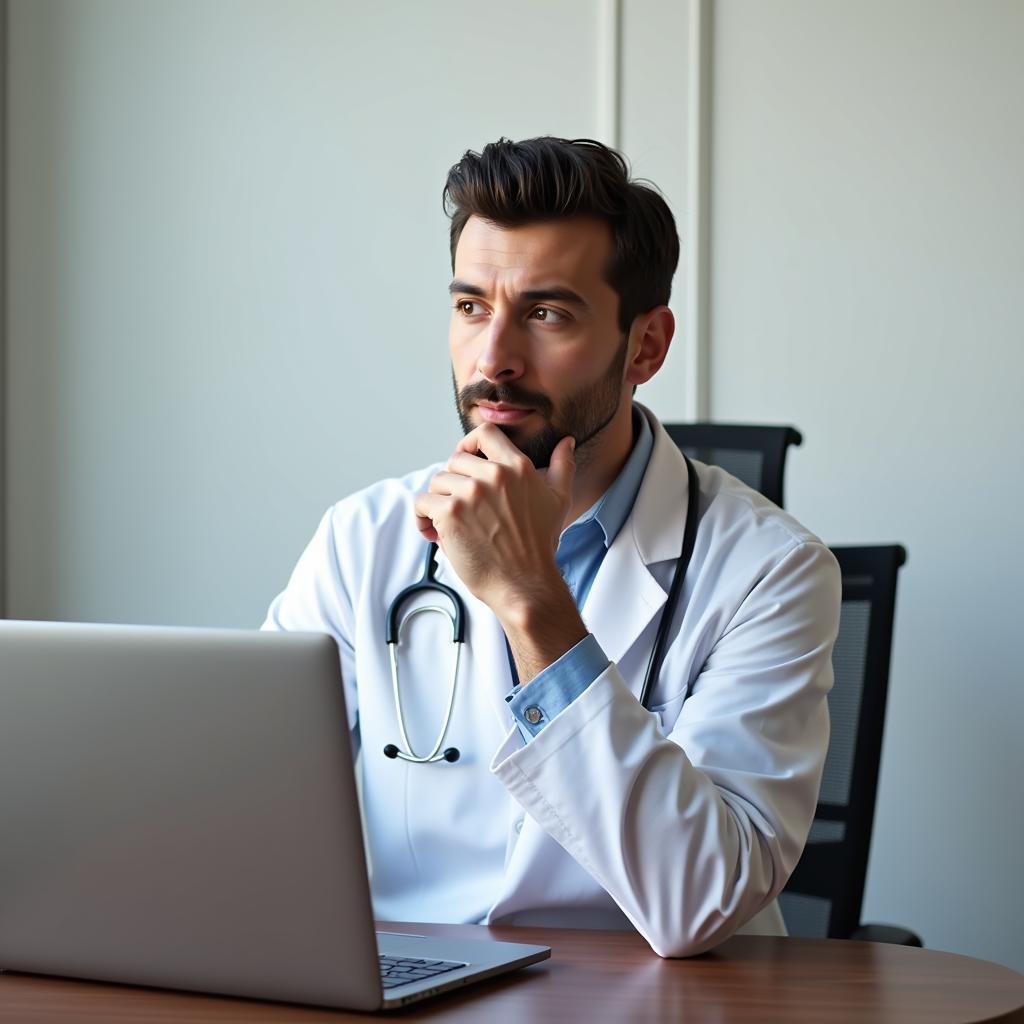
{"x": 516, "y": 434}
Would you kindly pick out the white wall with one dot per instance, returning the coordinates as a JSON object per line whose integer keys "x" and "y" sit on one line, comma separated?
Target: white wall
{"x": 229, "y": 266}
{"x": 228, "y": 271}
{"x": 868, "y": 286}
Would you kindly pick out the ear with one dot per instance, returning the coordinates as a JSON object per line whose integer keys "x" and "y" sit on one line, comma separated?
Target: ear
{"x": 649, "y": 339}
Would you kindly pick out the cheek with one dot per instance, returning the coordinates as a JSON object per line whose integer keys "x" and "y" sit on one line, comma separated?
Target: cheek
{"x": 568, "y": 371}
{"x": 462, "y": 365}
{"x": 465, "y": 345}
{"x": 458, "y": 350}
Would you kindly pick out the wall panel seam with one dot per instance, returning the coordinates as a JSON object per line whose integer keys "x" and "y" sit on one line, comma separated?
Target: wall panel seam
{"x": 609, "y": 68}
{"x": 4, "y": 395}
{"x": 697, "y": 247}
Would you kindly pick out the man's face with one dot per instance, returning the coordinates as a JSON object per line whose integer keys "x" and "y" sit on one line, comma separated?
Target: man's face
{"x": 535, "y": 342}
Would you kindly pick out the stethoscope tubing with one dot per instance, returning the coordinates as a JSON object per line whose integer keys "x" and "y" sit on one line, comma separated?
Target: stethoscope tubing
{"x": 676, "y": 587}
{"x": 427, "y": 582}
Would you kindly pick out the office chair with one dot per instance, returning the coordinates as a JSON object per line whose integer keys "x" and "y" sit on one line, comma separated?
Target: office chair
{"x": 823, "y": 897}
{"x": 755, "y": 454}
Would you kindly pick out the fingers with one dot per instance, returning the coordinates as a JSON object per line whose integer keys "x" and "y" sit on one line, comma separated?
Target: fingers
{"x": 429, "y": 508}
{"x": 488, "y": 440}
{"x": 504, "y": 482}
{"x": 426, "y": 528}
{"x": 472, "y": 466}
{"x": 503, "y": 456}
{"x": 459, "y": 485}
{"x": 561, "y": 470}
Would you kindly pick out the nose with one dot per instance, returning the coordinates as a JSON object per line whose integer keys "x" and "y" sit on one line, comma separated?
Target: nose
{"x": 501, "y": 358}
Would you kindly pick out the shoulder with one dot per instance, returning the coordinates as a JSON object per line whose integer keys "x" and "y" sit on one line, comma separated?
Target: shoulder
{"x": 385, "y": 503}
{"x": 729, "y": 504}
{"x": 369, "y": 538}
{"x": 763, "y": 545}
{"x": 741, "y": 534}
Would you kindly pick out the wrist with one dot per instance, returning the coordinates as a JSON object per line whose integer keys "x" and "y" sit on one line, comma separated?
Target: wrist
{"x": 525, "y": 605}
{"x": 541, "y": 626}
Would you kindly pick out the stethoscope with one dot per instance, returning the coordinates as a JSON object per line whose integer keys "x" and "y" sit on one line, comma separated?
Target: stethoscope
{"x": 428, "y": 583}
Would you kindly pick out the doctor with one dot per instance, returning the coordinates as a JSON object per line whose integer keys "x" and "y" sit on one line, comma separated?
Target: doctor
{"x": 560, "y": 519}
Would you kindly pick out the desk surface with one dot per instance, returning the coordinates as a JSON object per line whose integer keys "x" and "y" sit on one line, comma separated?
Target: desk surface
{"x": 612, "y": 976}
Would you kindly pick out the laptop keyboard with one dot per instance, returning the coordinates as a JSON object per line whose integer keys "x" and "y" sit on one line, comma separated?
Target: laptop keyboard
{"x": 401, "y": 970}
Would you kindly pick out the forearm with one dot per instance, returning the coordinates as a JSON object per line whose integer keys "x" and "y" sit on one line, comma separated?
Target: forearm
{"x": 541, "y": 623}
{"x": 688, "y": 862}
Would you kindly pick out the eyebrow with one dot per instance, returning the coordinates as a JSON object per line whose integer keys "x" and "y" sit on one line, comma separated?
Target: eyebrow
{"x": 553, "y": 294}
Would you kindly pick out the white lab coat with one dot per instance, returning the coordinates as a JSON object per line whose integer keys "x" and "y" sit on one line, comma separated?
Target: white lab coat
{"x": 684, "y": 821}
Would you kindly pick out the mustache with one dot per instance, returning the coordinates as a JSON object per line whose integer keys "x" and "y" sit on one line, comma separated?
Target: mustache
{"x": 513, "y": 394}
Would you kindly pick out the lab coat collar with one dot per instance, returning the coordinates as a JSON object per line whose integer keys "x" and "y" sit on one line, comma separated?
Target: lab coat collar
{"x": 659, "y": 537}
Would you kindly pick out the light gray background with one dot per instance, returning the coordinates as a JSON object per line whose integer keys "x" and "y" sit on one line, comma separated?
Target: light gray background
{"x": 868, "y": 285}
{"x": 226, "y": 308}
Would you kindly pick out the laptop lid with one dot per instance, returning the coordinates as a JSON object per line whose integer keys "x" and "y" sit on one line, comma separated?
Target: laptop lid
{"x": 178, "y": 809}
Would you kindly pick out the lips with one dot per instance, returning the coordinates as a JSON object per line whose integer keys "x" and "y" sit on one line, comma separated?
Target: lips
{"x": 503, "y": 412}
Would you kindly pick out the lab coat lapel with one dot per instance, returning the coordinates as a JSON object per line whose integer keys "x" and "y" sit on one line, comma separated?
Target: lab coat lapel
{"x": 626, "y": 595}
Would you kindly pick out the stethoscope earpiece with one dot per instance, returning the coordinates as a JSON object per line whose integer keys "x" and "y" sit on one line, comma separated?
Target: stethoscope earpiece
{"x": 450, "y": 754}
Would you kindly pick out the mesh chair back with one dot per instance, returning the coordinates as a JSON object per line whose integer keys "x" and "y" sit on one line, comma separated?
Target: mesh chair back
{"x": 755, "y": 454}
{"x": 824, "y": 895}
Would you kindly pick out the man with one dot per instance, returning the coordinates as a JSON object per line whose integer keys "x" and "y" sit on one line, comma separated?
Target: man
{"x": 560, "y": 519}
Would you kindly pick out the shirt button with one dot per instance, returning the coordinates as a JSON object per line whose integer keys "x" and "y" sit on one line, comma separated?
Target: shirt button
{"x": 533, "y": 714}
{"x": 519, "y": 826}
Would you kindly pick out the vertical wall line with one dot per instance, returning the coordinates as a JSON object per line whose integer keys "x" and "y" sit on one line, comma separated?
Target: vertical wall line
{"x": 697, "y": 332}
{"x": 609, "y": 76}
{"x": 4, "y": 417}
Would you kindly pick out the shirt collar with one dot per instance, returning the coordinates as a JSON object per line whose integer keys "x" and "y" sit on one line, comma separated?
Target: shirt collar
{"x": 612, "y": 509}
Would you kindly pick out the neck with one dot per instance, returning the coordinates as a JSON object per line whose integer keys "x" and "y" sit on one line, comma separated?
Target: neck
{"x": 600, "y": 461}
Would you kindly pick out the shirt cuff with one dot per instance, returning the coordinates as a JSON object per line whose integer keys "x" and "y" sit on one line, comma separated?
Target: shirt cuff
{"x": 554, "y": 689}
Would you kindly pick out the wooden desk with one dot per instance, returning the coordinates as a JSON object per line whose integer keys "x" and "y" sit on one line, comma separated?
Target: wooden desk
{"x": 612, "y": 976}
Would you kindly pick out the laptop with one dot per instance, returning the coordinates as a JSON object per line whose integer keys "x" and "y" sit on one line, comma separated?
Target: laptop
{"x": 178, "y": 809}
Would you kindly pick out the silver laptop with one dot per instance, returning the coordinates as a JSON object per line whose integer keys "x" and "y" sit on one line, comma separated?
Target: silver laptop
{"x": 178, "y": 808}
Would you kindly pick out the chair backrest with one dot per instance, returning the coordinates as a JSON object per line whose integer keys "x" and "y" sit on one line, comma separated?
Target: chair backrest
{"x": 823, "y": 898}
{"x": 755, "y": 454}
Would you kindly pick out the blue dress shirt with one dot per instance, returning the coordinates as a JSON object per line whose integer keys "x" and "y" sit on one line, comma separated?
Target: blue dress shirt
{"x": 581, "y": 550}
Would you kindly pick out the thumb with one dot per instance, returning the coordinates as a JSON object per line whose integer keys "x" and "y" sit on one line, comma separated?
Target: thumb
{"x": 562, "y": 468}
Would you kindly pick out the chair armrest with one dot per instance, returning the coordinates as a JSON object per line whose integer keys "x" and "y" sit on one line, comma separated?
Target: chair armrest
{"x": 886, "y": 933}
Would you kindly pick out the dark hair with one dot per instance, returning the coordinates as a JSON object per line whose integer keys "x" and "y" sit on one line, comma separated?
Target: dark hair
{"x": 515, "y": 183}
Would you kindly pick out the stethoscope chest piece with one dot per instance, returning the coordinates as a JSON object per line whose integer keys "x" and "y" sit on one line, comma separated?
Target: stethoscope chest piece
{"x": 396, "y": 622}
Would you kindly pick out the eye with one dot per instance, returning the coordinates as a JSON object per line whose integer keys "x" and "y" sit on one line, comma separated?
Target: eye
{"x": 546, "y": 315}
{"x": 467, "y": 307}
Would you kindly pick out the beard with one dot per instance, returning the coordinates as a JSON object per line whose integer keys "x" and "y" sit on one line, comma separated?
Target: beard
{"x": 581, "y": 415}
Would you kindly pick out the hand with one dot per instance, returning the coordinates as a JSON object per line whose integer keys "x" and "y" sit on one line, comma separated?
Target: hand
{"x": 498, "y": 519}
